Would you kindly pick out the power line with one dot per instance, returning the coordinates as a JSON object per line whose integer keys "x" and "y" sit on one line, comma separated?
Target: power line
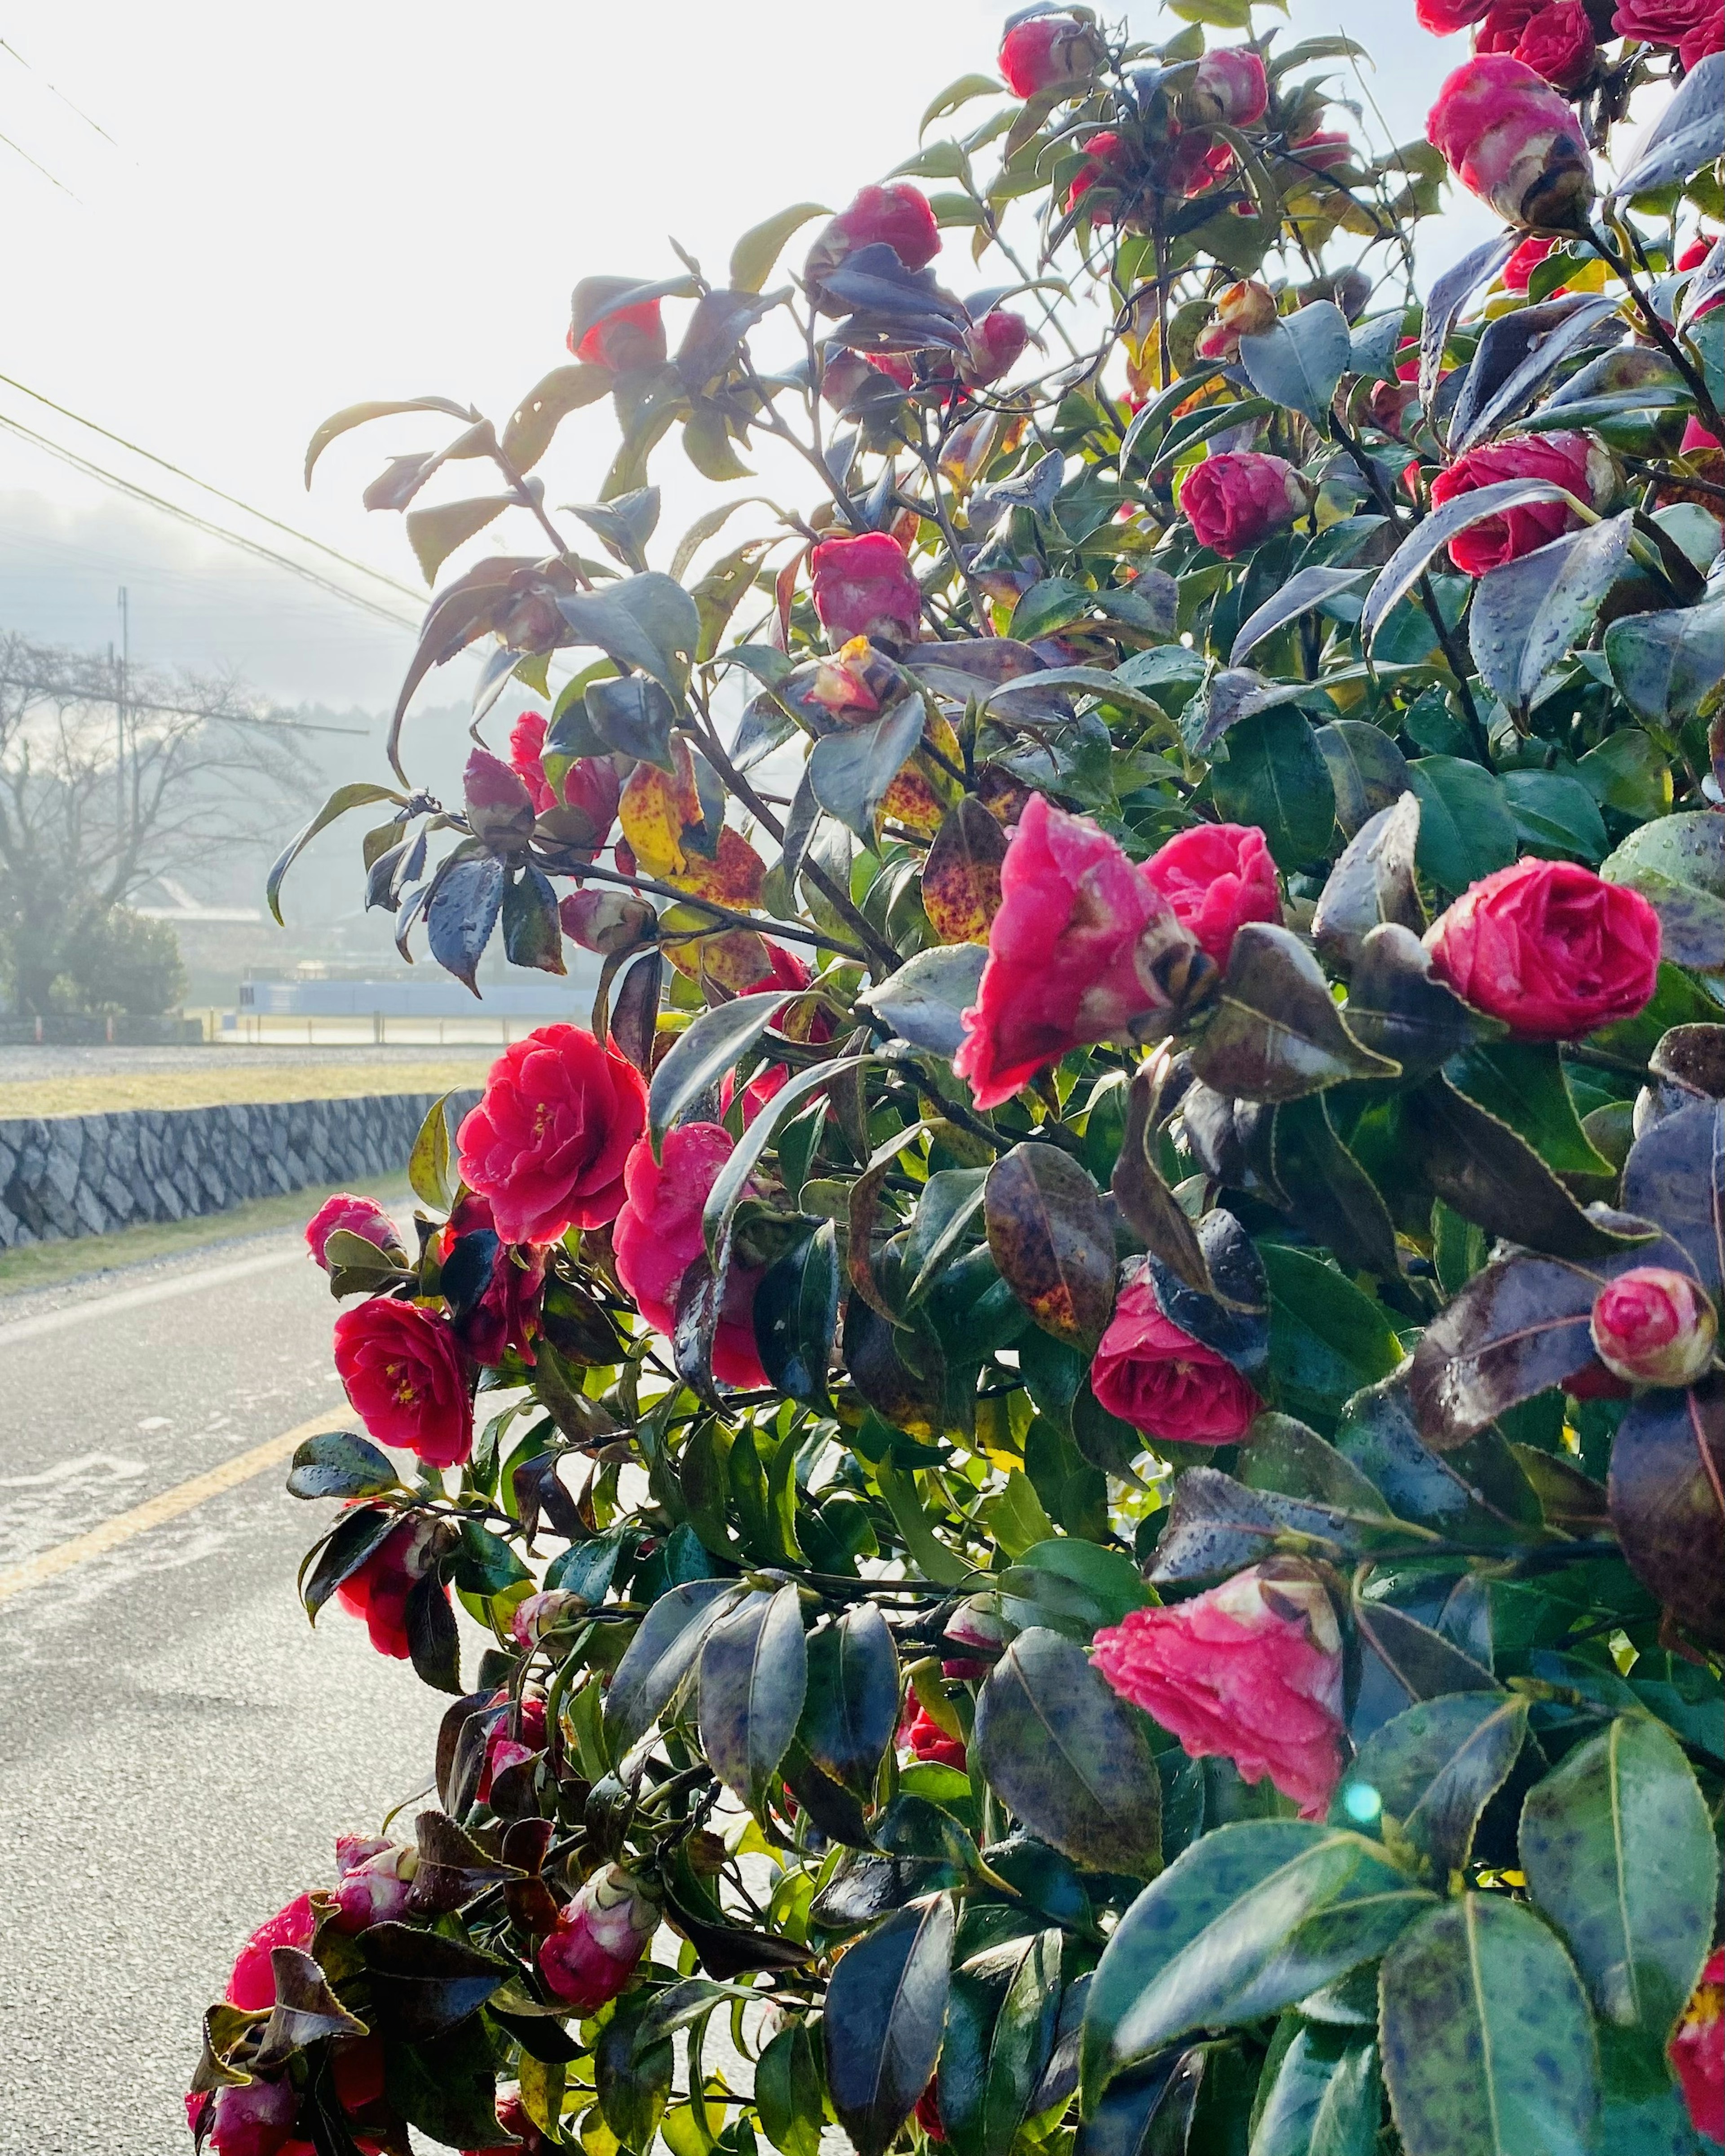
{"x": 60, "y": 94}
{"x": 202, "y": 524}
{"x": 41, "y": 168}
{"x": 75, "y": 693}
{"x": 233, "y": 501}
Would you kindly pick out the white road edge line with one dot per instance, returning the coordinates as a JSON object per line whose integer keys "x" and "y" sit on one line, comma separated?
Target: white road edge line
{"x": 136, "y": 1298}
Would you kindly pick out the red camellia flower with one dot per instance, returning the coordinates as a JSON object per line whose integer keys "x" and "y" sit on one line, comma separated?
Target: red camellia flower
{"x": 1106, "y": 156}
{"x": 1234, "y": 501}
{"x": 1250, "y": 1671}
{"x": 1199, "y": 160}
{"x": 378, "y": 1591}
{"x": 252, "y": 2118}
{"x": 252, "y": 1985}
{"x": 363, "y": 1217}
{"x": 1653, "y": 1326}
{"x": 1510, "y": 139}
{"x": 1698, "y": 2050}
{"x": 604, "y": 920}
{"x": 1065, "y": 951}
{"x": 896, "y": 215}
{"x": 498, "y": 805}
{"x": 1692, "y": 27}
{"x": 506, "y": 1314}
{"x": 1216, "y": 877}
{"x": 630, "y": 338}
{"x": 375, "y": 1892}
{"x": 590, "y": 784}
{"x": 1502, "y": 29}
{"x": 927, "y": 2113}
{"x": 1559, "y": 43}
{"x": 402, "y": 1371}
{"x": 924, "y": 1738}
{"x": 993, "y": 347}
{"x": 1245, "y": 309}
{"x": 1549, "y": 948}
{"x": 1229, "y": 83}
{"x": 1153, "y": 1374}
{"x": 1324, "y": 149}
{"x": 1572, "y": 461}
{"x": 600, "y": 1937}
{"x": 511, "y": 1740}
{"x": 657, "y": 1237}
{"x": 512, "y": 2117}
{"x": 1521, "y": 265}
{"x": 1047, "y": 52}
{"x": 1697, "y": 252}
{"x": 864, "y": 587}
{"x": 1444, "y": 17}
{"x": 548, "y": 1141}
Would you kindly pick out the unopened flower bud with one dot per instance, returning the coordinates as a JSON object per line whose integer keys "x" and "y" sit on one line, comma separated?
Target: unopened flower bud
{"x": 841, "y": 683}
{"x": 252, "y": 2118}
{"x": 539, "y": 1614}
{"x": 375, "y": 1892}
{"x": 499, "y": 806}
{"x": 1229, "y": 84}
{"x": 1047, "y": 52}
{"x": 600, "y": 1938}
{"x": 605, "y": 921}
{"x": 1654, "y": 1326}
{"x": 1245, "y": 309}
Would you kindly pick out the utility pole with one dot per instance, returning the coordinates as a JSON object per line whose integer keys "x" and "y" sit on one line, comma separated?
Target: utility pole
{"x": 123, "y": 689}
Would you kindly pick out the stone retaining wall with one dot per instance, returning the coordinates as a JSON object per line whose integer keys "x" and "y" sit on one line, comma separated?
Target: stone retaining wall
{"x": 83, "y": 1175}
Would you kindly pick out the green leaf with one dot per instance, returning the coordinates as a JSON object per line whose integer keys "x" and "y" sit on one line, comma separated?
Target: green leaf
{"x": 1666, "y": 663}
{"x": 339, "y": 1464}
{"x": 435, "y": 533}
{"x": 648, "y": 621}
{"x": 1424, "y": 1779}
{"x": 753, "y": 1676}
{"x": 535, "y": 419}
{"x": 1052, "y": 605}
{"x": 1326, "y": 1339}
{"x": 357, "y": 795}
{"x": 633, "y": 2079}
{"x": 1324, "y": 2100}
{"x": 1336, "y": 1201}
{"x": 702, "y": 1054}
{"x": 1530, "y": 613}
{"x": 754, "y": 256}
{"x": 1617, "y": 1848}
{"x": 1087, "y": 1583}
{"x": 1300, "y": 362}
{"x": 1667, "y": 1475}
{"x": 852, "y": 1699}
{"x": 423, "y": 1984}
{"x": 532, "y": 933}
{"x": 1412, "y": 558}
{"x": 357, "y": 415}
{"x": 886, "y": 2007}
{"x": 1058, "y": 1746}
{"x": 955, "y": 94}
{"x": 1488, "y": 2050}
{"x": 1466, "y": 827}
{"x": 796, "y": 1313}
{"x": 446, "y": 2088}
{"x": 1678, "y": 863}
{"x": 1555, "y": 813}
{"x": 1050, "y": 1235}
{"x": 923, "y": 1546}
{"x": 1253, "y": 1917}
{"x": 851, "y": 770}
{"x": 1521, "y": 1083}
{"x": 922, "y": 1001}
{"x": 1276, "y": 777}
{"x": 660, "y": 1656}
{"x": 1275, "y": 1033}
{"x": 789, "y": 2092}
{"x": 635, "y": 715}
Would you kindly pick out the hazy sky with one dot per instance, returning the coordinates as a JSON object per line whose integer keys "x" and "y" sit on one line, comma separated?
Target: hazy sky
{"x": 301, "y": 208}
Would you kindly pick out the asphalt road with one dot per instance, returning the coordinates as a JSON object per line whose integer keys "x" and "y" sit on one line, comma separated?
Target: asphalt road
{"x": 178, "y": 1749}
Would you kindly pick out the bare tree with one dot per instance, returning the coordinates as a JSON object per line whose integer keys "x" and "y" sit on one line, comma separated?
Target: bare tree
{"x": 106, "y": 782}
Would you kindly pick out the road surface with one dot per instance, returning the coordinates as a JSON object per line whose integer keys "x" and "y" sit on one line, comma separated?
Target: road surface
{"x": 180, "y": 1748}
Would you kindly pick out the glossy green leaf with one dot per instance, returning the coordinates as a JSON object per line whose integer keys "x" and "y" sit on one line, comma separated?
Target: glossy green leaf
{"x": 1275, "y": 1032}
{"x": 660, "y": 1656}
{"x": 852, "y": 769}
{"x": 1422, "y": 1779}
{"x": 1326, "y": 1339}
{"x": 796, "y": 1313}
{"x": 1300, "y": 362}
{"x": 853, "y": 1697}
{"x": 753, "y": 1676}
{"x": 1324, "y": 2101}
{"x": 702, "y": 1054}
{"x": 1521, "y": 1083}
{"x": 1276, "y": 777}
{"x": 340, "y": 1464}
{"x": 886, "y": 2007}
{"x": 1466, "y": 827}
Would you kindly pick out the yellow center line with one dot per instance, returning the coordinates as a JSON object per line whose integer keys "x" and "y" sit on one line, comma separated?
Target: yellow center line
{"x": 155, "y": 1511}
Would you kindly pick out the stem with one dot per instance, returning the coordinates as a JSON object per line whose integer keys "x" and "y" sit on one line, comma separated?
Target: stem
{"x": 528, "y": 499}
{"x": 942, "y": 517}
{"x": 764, "y": 924}
{"x": 1657, "y": 330}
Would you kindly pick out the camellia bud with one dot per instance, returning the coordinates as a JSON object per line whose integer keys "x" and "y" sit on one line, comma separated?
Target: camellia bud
{"x": 1041, "y": 52}
{"x": 375, "y": 1892}
{"x": 600, "y": 1937}
{"x": 252, "y": 2118}
{"x": 1511, "y": 139}
{"x": 841, "y": 683}
{"x": 605, "y": 921}
{"x": 537, "y": 1614}
{"x": 354, "y": 1216}
{"x": 993, "y": 347}
{"x": 499, "y": 806}
{"x": 1654, "y": 1326}
{"x": 1229, "y": 84}
{"x": 1245, "y": 309}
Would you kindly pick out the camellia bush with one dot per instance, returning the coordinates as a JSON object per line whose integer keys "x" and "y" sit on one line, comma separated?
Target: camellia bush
{"x": 1082, "y": 1427}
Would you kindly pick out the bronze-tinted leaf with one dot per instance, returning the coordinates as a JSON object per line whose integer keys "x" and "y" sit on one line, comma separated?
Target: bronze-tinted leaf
{"x": 1402, "y": 1662}
{"x": 1396, "y": 1006}
{"x": 1668, "y": 1502}
{"x": 423, "y": 1984}
{"x": 1372, "y": 882}
{"x": 1274, "y": 1033}
{"x": 1216, "y": 1525}
{"x": 961, "y": 877}
{"x": 1478, "y": 1166}
{"x": 1335, "y": 1200}
{"x": 1152, "y": 1210}
{"x": 1692, "y": 1056}
{"x": 1675, "y": 1175}
{"x": 1233, "y": 1315}
{"x": 306, "y": 2010}
{"x": 1517, "y": 1328}
{"x": 537, "y": 418}
{"x": 1050, "y": 1236}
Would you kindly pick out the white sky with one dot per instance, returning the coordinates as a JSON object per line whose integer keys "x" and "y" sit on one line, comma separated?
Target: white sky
{"x": 310, "y": 206}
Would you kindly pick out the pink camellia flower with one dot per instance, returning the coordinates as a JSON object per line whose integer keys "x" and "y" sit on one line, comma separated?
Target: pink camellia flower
{"x": 1521, "y": 265}
{"x": 600, "y": 1937}
{"x": 1558, "y": 45}
{"x": 363, "y": 1217}
{"x": 1692, "y": 27}
{"x": 1500, "y": 31}
{"x": 785, "y": 970}
{"x": 1105, "y": 157}
{"x": 252, "y": 2118}
{"x": 1250, "y": 1671}
{"x": 590, "y": 784}
{"x": 1510, "y": 139}
{"x": 1245, "y": 309}
{"x": 1151, "y": 1373}
{"x": 1048, "y": 51}
{"x": 1696, "y": 437}
{"x": 864, "y": 587}
{"x": 1697, "y": 252}
{"x": 1199, "y": 160}
{"x": 924, "y": 1739}
{"x": 251, "y": 1986}
{"x": 1069, "y": 951}
{"x": 402, "y": 1371}
{"x": 378, "y": 1591}
{"x": 1549, "y": 948}
{"x": 1652, "y": 1326}
{"x": 632, "y": 337}
{"x": 895, "y": 215}
{"x": 1444, "y": 17}
{"x": 1238, "y": 499}
{"x": 657, "y": 1237}
{"x": 548, "y": 1141}
{"x": 513, "y": 2117}
{"x": 375, "y": 1892}
{"x": 1698, "y": 2050}
{"x": 1229, "y": 84}
{"x": 1216, "y": 877}
{"x": 603, "y": 920}
{"x": 1573, "y": 461}
{"x": 993, "y": 347}
{"x": 511, "y": 1742}
{"x": 506, "y": 1315}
